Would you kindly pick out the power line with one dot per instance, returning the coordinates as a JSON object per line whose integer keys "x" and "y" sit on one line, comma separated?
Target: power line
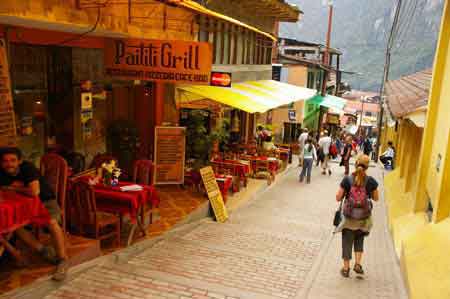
{"x": 406, "y": 31}
{"x": 386, "y": 70}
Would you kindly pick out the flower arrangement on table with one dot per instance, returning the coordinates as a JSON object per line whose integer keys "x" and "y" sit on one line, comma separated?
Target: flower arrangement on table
{"x": 110, "y": 173}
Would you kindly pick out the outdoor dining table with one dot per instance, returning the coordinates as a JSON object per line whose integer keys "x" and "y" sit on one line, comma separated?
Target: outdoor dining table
{"x": 224, "y": 182}
{"x": 241, "y": 169}
{"x": 16, "y": 211}
{"x": 273, "y": 163}
{"x": 115, "y": 201}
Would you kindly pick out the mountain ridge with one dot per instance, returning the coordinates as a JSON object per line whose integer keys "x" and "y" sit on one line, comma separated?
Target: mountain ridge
{"x": 361, "y": 29}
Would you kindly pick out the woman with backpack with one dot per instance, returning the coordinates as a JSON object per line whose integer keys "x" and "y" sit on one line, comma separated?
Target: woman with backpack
{"x": 309, "y": 155}
{"x": 355, "y": 194}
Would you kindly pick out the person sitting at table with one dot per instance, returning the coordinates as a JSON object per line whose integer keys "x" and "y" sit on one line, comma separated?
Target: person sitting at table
{"x": 23, "y": 177}
{"x": 268, "y": 144}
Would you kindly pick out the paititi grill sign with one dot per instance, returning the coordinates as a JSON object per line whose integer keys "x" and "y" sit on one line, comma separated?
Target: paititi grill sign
{"x": 157, "y": 60}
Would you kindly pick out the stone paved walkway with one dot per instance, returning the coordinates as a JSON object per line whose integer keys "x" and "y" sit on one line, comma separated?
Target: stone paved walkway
{"x": 277, "y": 246}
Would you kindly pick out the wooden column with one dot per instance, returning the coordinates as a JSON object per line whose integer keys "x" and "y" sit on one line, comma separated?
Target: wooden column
{"x": 159, "y": 103}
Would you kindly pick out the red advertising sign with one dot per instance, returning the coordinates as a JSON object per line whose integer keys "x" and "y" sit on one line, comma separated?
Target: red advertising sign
{"x": 157, "y": 60}
{"x": 221, "y": 79}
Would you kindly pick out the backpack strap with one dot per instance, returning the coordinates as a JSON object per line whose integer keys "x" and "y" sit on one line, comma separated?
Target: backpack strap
{"x": 352, "y": 181}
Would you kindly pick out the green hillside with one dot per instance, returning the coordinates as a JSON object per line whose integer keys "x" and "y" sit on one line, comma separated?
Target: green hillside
{"x": 360, "y": 30}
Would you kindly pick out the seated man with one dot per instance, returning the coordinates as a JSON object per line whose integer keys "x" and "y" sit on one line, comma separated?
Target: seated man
{"x": 22, "y": 177}
{"x": 388, "y": 156}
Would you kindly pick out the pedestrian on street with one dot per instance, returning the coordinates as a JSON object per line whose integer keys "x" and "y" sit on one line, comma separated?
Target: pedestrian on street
{"x": 356, "y": 193}
{"x": 301, "y": 144}
{"x": 324, "y": 145}
{"x": 387, "y": 158}
{"x": 347, "y": 154}
{"x": 309, "y": 155}
{"x": 367, "y": 146}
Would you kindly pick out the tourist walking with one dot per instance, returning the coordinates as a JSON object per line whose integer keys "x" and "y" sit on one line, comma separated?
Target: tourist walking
{"x": 301, "y": 144}
{"x": 347, "y": 154}
{"x": 309, "y": 155}
{"x": 324, "y": 145}
{"x": 367, "y": 146}
{"x": 355, "y": 194}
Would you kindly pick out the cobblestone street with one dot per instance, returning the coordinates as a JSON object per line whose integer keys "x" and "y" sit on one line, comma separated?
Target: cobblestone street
{"x": 277, "y": 246}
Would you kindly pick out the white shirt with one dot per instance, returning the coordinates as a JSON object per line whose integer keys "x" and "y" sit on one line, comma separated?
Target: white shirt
{"x": 389, "y": 153}
{"x": 302, "y": 139}
{"x": 325, "y": 143}
{"x": 309, "y": 154}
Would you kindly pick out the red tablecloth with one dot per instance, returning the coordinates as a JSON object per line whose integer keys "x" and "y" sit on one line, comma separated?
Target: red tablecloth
{"x": 17, "y": 210}
{"x": 273, "y": 164}
{"x": 224, "y": 182}
{"x": 284, "y": 153}
{"x": 113, "y": 200}
{"x": 240, "y": 169}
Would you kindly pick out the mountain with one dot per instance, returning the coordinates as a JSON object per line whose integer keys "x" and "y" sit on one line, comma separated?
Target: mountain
{"x": 361, "y": 29}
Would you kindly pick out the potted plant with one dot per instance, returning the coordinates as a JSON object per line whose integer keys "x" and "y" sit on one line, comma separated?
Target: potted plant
{"x": 123, "y": 142}
{"x": 220, "y": 137}
{"x": 198, "y": 144}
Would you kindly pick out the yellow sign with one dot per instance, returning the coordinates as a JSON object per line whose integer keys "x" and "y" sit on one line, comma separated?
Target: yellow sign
{"x": 170, "y": 147}
{"x": 214, "y": 195}
{"x": 157, "y": 60}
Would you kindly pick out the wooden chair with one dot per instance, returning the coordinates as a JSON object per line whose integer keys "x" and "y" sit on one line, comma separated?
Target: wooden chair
{"x": 55, "y": 170}
{"x": 77, "y": 162}
{"x": 90, "y": 220}
{"x": 262, "y": 170}
{"x": 143, "y": 171}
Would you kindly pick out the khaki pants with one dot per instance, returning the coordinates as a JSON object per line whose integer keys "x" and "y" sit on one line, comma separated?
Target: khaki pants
{"x": 326, "y": 159}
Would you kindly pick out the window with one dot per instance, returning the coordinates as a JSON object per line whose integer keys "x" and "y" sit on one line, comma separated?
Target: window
{"x": 311, "y": 79}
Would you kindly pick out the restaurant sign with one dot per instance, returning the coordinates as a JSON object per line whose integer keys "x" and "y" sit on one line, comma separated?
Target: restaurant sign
{"x": 214, "y": 194}
{"x": 170, "y": 145}
{"x": 157, "y": 60}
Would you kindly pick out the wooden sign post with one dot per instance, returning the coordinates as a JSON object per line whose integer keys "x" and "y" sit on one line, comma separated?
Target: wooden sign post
{"x": 7, "y": 119}
{"x": 170, "y": 146}
{"x": 214, "y": 194}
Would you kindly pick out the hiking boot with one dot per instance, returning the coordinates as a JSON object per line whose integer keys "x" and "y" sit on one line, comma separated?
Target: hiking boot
{"x": 329, "y": 172}
{"x": 60, "y": 273}
{"x": 48, "y": 254}
{"x": 358, "y": 269}
{"x": 345, "y": 272}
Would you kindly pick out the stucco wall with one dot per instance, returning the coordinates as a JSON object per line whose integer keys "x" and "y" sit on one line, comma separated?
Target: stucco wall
{"x": 440, "y": 138}
{"x": 298, "y": 75}
{"x": 241, "y": 73}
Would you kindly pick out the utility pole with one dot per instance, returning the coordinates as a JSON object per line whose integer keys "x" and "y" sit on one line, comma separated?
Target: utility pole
{"x": 326, "y": 57}
{"x": 330, "y": 27}
{"x": 387, "y": 64}
{"x": 326, "y": 54}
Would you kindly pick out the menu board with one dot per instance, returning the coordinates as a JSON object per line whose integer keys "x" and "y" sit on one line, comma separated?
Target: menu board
{"x": 214, "y": 194}
{"x": 7, "y": 121}
{"x": 170, "y": 146}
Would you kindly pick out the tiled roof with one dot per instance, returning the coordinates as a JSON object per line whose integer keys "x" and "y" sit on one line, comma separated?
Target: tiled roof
{"x": 408, "y": 93}
{"x": 354, "y": 106}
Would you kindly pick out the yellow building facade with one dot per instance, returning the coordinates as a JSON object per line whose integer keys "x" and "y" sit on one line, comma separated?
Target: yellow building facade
{"x": 418, "y": 190}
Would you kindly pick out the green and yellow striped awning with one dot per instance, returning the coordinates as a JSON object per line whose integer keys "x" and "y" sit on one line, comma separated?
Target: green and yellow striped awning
{"x": 328, "y": 101}
{"x": 250, "y": 96}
